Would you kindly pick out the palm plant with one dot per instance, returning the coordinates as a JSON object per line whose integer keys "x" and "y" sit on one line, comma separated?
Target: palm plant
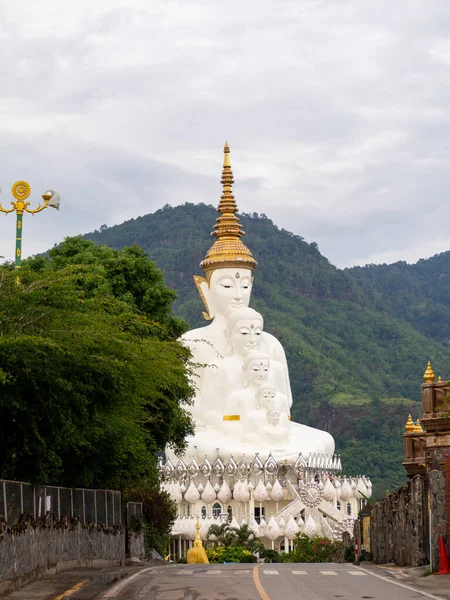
{"x": 225, "y": 535}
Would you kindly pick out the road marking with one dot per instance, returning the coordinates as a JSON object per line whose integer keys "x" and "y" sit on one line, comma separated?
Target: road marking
{"x": 114, "y": 591}
{"x": 72, "y": 590}
{"x": 257, "y": 582}
{"x": 185, "y": 572}
{"x": 299, "y": 572}
{"x": 403, "y": 585}
{"x": 327, "y": 572}
{"x": 242, "y": 572}
{"x": 271, "y": 572}
{"x": 356, "y": 573}
{"x": 212, "y": 572}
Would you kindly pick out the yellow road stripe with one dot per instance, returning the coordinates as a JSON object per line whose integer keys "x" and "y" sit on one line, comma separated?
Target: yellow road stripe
{"x": 259, "y": 587}
{"x": 77, "y": 587}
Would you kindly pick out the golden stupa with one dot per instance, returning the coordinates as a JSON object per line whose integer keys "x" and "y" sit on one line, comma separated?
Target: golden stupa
{"x": 197, "y": 554}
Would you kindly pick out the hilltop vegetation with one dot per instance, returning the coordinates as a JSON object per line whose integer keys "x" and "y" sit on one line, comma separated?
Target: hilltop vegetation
{"x": 355, "y": 360}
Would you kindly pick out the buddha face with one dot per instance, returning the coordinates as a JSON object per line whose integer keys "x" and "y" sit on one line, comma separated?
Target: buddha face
{"x": 246, "y": 336}
{"x": 266, "y": 397}
{"x": 274, "y": 416}
{"x": 258, "y": 371}
{"x": 228, "y": 289}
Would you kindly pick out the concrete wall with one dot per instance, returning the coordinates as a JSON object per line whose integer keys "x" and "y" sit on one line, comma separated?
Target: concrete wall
{"x": 136, "y": 549}
{"x": 399, "y": 528}
{"x": 28, "y": 552}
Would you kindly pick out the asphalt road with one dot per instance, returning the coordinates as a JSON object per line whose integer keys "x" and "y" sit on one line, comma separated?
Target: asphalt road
{"x": 262, "y": 582}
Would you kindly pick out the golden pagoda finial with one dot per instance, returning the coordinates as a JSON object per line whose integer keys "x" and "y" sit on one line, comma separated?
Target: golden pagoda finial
{"x": 429, "y": 375}
{"x": 418, "y": 426}
{"x": 228, "y": 250}
{"x": 409, "y": 424}
{"x": 439, "y": 378}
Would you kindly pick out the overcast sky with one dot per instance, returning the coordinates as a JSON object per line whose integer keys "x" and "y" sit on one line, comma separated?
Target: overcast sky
{"x": 337, "y": 113}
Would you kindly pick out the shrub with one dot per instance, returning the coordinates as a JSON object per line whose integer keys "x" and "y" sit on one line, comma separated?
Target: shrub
{"x": 250, "y": 558}
{"x": 349, "y": 553}
{"x": 271, "y": 556}
{"x": 308, "y": 550}
{"x": 228, "y": 554}
{"x": 182, "y": 560}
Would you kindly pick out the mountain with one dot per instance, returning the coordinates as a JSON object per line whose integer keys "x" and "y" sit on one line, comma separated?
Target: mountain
{"x": 356, "y": 358}
{"x": 418, "y": 293}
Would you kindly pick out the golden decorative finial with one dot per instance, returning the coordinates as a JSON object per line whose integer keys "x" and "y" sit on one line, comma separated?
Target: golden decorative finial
{"x": 429, "y": 375}
{"x": 439, "y": 378}
{"x": 228, "y": 250}
{"x": 418, "y": 426}
{"x": 409, "y": 424}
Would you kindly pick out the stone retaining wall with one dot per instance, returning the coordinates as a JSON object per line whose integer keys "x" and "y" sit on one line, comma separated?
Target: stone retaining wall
{"x": 399, "y": 528}
{"x": 30, "y": 551}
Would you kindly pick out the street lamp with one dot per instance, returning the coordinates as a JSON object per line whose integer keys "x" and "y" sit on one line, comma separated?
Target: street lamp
{"x": 21, "y": 190}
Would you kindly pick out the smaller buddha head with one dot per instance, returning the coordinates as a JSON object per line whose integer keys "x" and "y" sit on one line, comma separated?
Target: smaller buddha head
{"x": 243, "y": 331}
{"x": 256, "y": 368}
{"x": 274, "y": 416}
{"x": 265, "y": 396}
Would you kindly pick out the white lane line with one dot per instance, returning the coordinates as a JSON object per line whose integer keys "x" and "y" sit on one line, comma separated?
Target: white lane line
{"x": 403, "y": 585}
{"x": 212, "y": 572}
{"x": 270, "y": 572}
{"x": 114, "y": 591}
{"x": 299, "y": 572}
{"x": 327, "y": 572}
{"x": 356, "y": 573}
{"x": 185, "y": 572}
{"x": 242, "y": 572}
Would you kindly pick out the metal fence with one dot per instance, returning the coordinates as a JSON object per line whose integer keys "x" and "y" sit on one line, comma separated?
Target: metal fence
{"x": 103, "y": 507}
{"x": 134, "y": 509}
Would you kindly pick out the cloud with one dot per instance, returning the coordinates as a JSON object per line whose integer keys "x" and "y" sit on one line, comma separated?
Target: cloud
{"x": 337, "y": 113}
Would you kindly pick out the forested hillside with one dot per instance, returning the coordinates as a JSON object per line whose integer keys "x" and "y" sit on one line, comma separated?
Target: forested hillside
{"x": 355, "y": 361}
{"x": 419, "y": 293}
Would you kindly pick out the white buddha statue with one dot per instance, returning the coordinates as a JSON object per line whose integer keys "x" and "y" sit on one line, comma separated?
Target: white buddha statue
{"x": 235, "y": 355}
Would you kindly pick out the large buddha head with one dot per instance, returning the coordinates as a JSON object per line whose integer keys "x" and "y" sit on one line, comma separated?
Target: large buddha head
{"x": 228, "y": 264}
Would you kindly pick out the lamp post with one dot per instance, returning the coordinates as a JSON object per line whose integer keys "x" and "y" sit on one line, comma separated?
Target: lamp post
{"x": 21, "y": 191}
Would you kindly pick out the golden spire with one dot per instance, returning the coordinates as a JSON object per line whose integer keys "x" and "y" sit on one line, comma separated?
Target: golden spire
{"x": 429, "y": 375}
{"x": 197, "y": 541}
{"x": 409, "y": 424}
{"x": 228, "y": 250}
{"x": 439, "y": 378}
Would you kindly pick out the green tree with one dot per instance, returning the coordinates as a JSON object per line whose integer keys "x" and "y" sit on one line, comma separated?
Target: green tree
{"x": 93, "y": 381}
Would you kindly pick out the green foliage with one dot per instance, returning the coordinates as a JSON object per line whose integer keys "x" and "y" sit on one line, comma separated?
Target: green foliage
{"x": 349, "y": 553}
{"x": 159, "y": 512}
{"x": 226, "y": 536}
{"x": 271, "y": 556}
{"x": 94, "y": 381}
{"x": 232, "y": 554}
{"x": 418, "y": 293}
{"x": 312, "y": 550}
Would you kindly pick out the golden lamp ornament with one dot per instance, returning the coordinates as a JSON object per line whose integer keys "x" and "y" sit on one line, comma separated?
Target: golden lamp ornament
{"x": 21, "y": 190}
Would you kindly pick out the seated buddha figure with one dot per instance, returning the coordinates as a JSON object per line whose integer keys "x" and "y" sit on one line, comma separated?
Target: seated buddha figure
{"x": 227, "y": 286}
{"x": 235, "y": 356}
